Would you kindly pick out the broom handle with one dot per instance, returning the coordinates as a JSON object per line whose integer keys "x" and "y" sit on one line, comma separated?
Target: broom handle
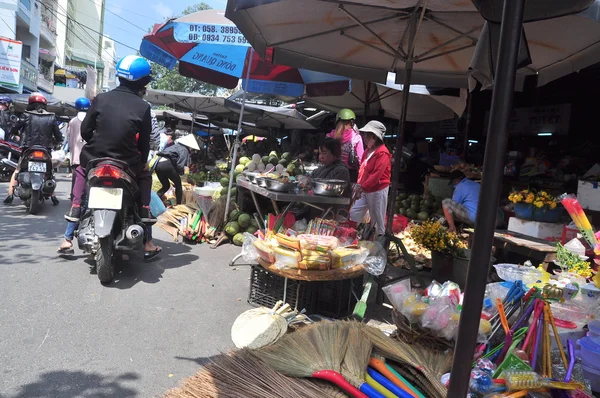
{"x": 338, "y": 380}
{"x": 381, "y": 367}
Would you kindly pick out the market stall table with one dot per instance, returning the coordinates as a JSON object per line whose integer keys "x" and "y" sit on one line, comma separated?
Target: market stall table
{"x": 306, "y": 198}
{"x": 536, "y": 249}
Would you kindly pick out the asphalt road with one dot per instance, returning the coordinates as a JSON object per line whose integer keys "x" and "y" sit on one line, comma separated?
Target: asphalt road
{"x": 63, "y": 334}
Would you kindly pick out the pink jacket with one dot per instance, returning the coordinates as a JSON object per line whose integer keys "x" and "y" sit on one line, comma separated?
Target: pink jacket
{"x": 74, "y": 138}
{"x": 350, "y": 138}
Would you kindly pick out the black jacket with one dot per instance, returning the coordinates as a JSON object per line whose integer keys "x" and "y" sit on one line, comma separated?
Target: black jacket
{"x": 179, "y": 156}
{"x": 111, "y": 125}
{"x": 39, "y": 128}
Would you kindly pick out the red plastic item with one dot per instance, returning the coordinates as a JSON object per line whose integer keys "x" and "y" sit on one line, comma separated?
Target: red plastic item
{"x": 565, "y": 324}
{"x": 338, "y": 379}
{"x": 399, "y": 223}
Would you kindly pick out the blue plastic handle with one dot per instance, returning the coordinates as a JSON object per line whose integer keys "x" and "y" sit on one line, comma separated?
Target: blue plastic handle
{"x": 381, "y": 379}
{"x": 370, "y": 391}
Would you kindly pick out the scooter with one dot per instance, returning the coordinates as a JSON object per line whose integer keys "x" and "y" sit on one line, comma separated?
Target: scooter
{"x": 35, "y": 179}
{"x": 111, "y": 222}
{"x": 9, "y": 159}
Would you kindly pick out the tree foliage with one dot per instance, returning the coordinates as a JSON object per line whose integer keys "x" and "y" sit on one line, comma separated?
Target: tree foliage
{"x": 165, "y": 79}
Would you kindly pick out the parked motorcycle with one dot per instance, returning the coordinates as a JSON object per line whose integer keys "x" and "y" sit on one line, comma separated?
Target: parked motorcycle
{"x": 110, "y": 222}
{"x": 9, "y": 159}
{"x": 35, "y": 182}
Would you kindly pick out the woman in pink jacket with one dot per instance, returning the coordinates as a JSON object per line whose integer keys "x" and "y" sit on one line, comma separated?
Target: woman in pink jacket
{"x": 352, "y": 143}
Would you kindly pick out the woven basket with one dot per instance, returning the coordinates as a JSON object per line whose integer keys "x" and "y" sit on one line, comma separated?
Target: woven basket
{"x": 312, "y": 275}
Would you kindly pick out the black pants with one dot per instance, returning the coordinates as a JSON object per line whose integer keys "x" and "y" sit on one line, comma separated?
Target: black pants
{"x": 165, "y": 172}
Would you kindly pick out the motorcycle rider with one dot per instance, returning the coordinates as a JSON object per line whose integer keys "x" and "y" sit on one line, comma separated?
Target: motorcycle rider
{"x": 8, "y": 118}
{"x": 118, "y": 125}
{"x": 75, "y": 143}
{"x": 37, "y": 127}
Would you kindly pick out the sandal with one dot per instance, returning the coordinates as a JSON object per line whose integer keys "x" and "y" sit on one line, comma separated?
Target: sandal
{"x": 66, "y": 250}
{"x": 151, "y": 254}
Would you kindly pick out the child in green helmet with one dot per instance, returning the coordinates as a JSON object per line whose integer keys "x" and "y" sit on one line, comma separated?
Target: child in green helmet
{"x": 352, "y": 144}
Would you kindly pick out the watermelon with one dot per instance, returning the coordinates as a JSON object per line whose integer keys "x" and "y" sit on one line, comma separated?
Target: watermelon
{"x": 234, "y": 215}
{"x": 232, "y": 228}
{"x": 224, "y": 182}
{"x": 238, "y": 239}
{"x": 244, "y": 220}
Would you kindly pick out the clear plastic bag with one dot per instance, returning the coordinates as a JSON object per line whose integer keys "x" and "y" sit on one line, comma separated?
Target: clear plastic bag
{"x": 397, "y": 292}
{"x": 249, "y": 252}
{"x": 376, "y": 260}
{"x": 300, "y": 226}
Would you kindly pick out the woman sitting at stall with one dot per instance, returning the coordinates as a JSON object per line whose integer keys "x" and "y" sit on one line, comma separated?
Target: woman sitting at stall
{"x": 371, "y": 192}
{"x": 352, "y": 143}
{"x": 330, "y": 153}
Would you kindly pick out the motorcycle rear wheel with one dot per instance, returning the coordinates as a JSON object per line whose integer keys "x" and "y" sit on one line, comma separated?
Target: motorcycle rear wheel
{"x": 34, "y": 202}
{"x": 105, "y": 260}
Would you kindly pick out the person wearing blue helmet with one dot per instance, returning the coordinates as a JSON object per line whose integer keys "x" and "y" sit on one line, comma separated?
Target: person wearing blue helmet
{"x": 75, "y": 143}
{"x": 118, "y": 125}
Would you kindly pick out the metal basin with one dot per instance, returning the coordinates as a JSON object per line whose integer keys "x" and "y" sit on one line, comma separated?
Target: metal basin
{"x": 325, "y": 187}
{"x": 274, "y": 185}
{"x": 251, "y": 176}
{"x": 260, "y": 181}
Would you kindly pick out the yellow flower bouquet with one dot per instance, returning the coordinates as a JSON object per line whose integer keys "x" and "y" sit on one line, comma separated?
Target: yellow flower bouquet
{"x": 435, "y": 237}
{"x": 539, "y": 199}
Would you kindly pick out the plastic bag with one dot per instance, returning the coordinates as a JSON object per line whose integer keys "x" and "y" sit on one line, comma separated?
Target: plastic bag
{"x": 249, "y": 252}
{"x": 59, "y": 155}
{"x": 376, "y": 260}
{"x": 413, "y": 307}
{"x": 397, "y": 292}
{"x": 576, "y": 247}
{"x": 157, "y": 207}
{"x": 347, "y": 258}
{"x": 300, "y": 226}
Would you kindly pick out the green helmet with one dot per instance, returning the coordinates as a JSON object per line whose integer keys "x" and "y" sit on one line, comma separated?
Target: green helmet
{"x": 345, "y": 114}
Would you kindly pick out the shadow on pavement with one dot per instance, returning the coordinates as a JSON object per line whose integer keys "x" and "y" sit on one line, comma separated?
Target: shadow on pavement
{"x": 130, "y": 272}
{"x": 66, "y": 384}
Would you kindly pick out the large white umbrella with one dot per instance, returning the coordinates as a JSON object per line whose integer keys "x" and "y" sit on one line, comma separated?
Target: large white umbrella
{"x": 263, "y": 116}
{"x": 188, "y": 102}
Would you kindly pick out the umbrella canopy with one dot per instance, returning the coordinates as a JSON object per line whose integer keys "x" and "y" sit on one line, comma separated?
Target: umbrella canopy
{"x": 210, "y": 48}
{"x": 269, "y": 116}
{"x": 557, "y": 47}
{"x": 370, "y": 97}
{"x": 365, "y": 40}
{"x": 247, "y": 127}
{"x": 188, "y": 102}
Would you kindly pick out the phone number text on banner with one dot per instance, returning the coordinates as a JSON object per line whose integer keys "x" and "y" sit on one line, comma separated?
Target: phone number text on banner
{"x": 210, "y": 34}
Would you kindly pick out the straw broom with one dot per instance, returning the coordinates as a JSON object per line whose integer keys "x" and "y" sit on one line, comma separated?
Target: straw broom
{"x": 241, "y": 374}
{"x": 425, "y": 361}
{"x": 356, "y": 360}
{"x": 314, "y": 351}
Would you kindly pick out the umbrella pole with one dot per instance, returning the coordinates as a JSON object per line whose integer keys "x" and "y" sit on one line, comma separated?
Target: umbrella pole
{"x": 236, "y": 142}
{"x": 485, "y": 224}
{"x": 193, "y": 121}
{"x": 467, "y": 125}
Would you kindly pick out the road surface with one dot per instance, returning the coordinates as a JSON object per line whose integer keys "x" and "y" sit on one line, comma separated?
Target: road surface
{"x": 63, "y": 334}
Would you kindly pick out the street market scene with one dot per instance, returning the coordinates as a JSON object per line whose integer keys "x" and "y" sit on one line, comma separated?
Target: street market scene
{"x": 317, "y": 198}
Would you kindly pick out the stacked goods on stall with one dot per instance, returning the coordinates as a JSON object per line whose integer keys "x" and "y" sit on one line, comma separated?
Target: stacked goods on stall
{"x": 186, "y": 221}
{"x": 283, "y": 166}
{"x": 238, "y": 223}
{"x": 418, "y": 207}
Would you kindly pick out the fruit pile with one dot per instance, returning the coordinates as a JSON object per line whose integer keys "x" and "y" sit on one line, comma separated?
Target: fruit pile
{"x": 417, "y": 207}
{"x": 237, "y": 224}
{"x": 284, "y": 166}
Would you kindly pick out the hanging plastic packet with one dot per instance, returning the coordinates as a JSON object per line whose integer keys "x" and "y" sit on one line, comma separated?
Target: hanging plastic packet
{"x": 413, "y": 307}
{"x": 434, "y": 289}
{"x": 452, "y": 290}
{"x": 397, "y": 292}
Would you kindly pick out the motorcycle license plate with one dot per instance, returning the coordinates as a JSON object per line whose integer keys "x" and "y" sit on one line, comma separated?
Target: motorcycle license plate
{"x": 105, "y": 198}
{"x": 37, "y": 166}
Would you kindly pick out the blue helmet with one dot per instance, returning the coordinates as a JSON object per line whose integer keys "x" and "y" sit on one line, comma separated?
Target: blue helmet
{"x": 82, "y": 104}
{"x": 133, "y": 68}
{"x": 5, "y": 100}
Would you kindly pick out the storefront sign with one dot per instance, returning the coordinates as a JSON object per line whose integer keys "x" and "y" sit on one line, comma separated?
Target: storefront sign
{"x": 10, "y": 62}
{"x": 540, "y": 119}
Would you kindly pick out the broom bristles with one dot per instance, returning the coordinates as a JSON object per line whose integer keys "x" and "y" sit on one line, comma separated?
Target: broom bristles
{"x": 357, "y": 356}
{"x": 321, "y": 346}
{"x": 241, "y": 374}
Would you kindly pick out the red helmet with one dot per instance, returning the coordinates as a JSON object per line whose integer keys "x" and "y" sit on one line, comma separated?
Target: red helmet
{"x": 37, "y": 98}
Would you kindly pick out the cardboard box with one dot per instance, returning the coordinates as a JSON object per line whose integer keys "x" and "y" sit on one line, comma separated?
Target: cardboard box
{"x": 536, "y": 229}
{"x": 588, "y": 195}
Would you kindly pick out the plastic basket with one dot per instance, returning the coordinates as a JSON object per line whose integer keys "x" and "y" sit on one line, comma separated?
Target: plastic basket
{"x": 336, "y": 299}
{"x": 266, "y": 289}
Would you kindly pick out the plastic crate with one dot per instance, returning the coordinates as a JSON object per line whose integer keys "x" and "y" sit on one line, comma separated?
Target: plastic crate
{"x": 266, "y": 289}
{"x": 336, "y": 299}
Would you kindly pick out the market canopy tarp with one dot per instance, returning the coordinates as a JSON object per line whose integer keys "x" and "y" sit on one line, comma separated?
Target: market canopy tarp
{"x": 188, "y": 102}
{"x": 269, "y": 116}
{"x": 61, "y": 108}
{"x": 371, "y": 98}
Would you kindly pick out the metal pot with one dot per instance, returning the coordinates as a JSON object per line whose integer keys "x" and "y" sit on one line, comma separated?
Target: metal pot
{"x": 328, "y": 187}
{"x": 260, "y": 181}
{"x": 251, "y": 176}
{"x": 277, "y": 186}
